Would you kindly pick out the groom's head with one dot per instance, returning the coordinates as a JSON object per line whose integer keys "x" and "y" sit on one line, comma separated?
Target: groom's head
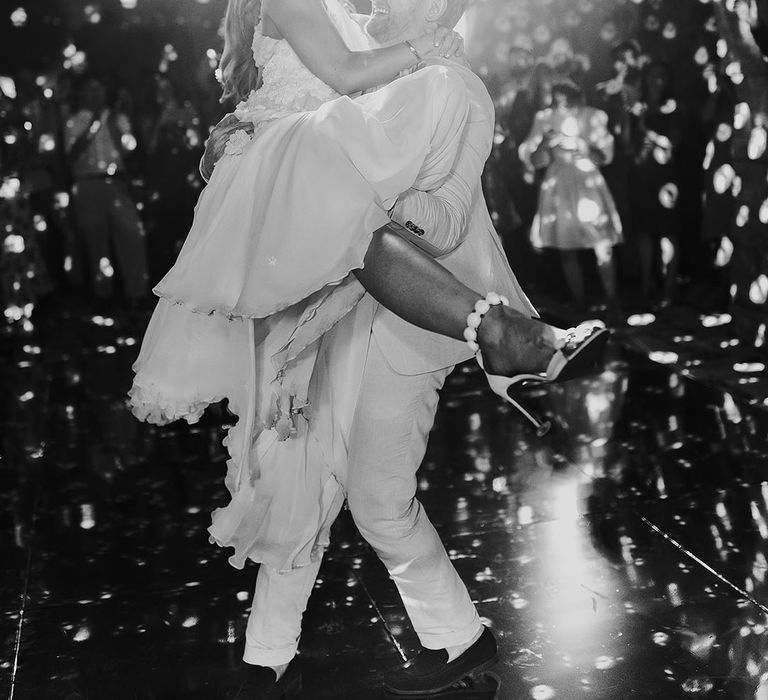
{"x": 397, "y": 20}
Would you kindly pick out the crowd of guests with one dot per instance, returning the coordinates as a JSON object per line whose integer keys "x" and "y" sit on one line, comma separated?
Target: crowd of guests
{"x": 571, "y": 177}
{"x": 97, "y": 188}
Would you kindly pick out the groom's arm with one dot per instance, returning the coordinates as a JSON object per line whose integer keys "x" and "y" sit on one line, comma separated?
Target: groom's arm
{"x": 437, "y": 221}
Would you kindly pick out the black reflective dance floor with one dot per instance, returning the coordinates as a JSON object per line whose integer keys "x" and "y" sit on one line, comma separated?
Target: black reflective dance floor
{"x": 624, "y": 556}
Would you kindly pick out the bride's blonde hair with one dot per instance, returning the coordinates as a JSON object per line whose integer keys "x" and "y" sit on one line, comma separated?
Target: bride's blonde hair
{"x": 239, "y": 74}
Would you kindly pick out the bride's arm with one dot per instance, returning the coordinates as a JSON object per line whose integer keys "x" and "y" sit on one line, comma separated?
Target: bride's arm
{"x": 310, "y": 32}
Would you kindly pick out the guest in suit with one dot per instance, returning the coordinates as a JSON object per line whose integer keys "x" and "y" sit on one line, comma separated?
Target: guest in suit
{"x": 98, "y": 139}
{"x": 655, "y": 182}
{"x": 510, "y": 191}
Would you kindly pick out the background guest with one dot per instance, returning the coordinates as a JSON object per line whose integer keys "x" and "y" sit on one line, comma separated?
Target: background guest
{"x": 576, "y": 210}
{"x": 509, "y": 189}
{"x": 718, "y": 200}
{"x": 172, "y": 142}
{"x": 98, "y": 140}
{"x": 24, "y": 277}
{"x": 616, "y": 96}
{"x": 654, "y": 185}
{"x": 44, "y": 172}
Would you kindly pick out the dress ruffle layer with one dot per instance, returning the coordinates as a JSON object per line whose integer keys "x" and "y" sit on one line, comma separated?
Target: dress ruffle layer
{"x": 149, "y": 404}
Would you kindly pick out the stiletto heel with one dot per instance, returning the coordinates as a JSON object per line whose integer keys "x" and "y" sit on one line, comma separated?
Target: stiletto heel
{"x": 542, "y": 426}
{"x": 580, "y": 351}
{"x": 503, "y": 386}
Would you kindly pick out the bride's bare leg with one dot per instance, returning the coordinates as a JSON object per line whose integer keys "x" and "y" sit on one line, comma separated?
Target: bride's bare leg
{"x": 415, "y": 287}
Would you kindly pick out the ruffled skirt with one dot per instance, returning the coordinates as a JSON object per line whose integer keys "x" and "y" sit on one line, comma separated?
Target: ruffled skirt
{"x": 576, "y": 209}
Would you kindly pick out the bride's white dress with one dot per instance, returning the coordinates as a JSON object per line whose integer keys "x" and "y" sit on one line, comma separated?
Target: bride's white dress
{"x": 285, "y": 218}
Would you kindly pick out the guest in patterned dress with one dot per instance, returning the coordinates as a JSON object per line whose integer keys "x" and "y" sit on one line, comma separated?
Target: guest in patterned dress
{"x": 576, "y": 210}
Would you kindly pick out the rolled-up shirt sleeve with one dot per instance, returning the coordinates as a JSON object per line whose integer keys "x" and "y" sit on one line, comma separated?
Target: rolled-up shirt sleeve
{"x": 437, "y": 221}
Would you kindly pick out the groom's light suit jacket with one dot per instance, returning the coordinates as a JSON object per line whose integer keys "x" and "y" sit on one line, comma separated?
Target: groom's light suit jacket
{"x": 453, "y": 224}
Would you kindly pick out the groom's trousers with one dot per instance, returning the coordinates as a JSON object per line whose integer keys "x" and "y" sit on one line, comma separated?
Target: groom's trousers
{"x": 392, "y": 419}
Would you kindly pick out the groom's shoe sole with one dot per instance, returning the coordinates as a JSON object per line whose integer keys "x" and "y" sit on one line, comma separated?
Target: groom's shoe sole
{"x": 479, "y": 686}
{"x": 428, "y": 674}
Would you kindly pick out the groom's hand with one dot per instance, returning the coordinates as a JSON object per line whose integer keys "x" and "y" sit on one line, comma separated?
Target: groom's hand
{"x": 217, "y": 141}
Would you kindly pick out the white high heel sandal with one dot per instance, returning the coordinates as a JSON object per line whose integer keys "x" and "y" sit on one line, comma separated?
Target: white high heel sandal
{"x": 577, "y": 353}
{"x": 580, "y": 354}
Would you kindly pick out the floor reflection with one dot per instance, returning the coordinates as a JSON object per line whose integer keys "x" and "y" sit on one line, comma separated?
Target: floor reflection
{"x": 625, "y": 554}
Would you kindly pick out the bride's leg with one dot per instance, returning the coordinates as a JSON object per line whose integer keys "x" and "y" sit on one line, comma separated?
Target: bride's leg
{"x": 415, "y": 287}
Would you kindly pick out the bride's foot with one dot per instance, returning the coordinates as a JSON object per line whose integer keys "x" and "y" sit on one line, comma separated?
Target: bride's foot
{"x": 516, "y": 351}
{"x": 512, "y": 343}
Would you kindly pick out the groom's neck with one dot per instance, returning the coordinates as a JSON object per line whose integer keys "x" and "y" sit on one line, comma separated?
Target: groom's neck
{"x": 409, "y": 35}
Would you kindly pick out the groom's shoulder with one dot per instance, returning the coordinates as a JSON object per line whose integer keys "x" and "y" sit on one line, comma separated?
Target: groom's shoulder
{"x": 461, "y": 68}
{"x": 474, "y": 84}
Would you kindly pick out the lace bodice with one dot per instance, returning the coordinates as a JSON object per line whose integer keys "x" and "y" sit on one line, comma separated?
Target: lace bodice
{"x": 288, "y": 86}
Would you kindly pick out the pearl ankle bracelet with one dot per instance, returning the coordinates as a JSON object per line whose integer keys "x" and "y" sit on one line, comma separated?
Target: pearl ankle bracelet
{"x": 482, "y": 307}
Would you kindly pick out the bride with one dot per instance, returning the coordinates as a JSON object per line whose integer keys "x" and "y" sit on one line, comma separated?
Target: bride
{"x": 282, "y": 234}
{"x": 291, "y": 209}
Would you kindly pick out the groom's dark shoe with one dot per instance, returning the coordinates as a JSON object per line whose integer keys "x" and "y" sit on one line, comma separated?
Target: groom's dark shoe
{"x": 430, "y": 672}
{"x": 261, "y": 683}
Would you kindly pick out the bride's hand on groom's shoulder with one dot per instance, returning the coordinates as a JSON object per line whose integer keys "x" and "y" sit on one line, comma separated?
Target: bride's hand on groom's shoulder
{"x": 439, "y": 41}
{"x": 448, "y": 43}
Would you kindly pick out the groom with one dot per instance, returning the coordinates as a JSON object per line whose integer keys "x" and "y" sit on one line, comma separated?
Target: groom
{"x": 389, "y": 424}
